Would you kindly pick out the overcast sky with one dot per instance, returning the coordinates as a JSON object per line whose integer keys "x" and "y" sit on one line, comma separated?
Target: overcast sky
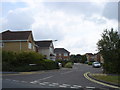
{"x": 76, "y": 25}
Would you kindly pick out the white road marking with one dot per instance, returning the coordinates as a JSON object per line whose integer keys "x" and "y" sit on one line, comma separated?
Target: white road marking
{"x": 42, "y": 83}
{"x": 55, "y": 83}
{"x": 52, "y": 85}
{"x": 63, "y": 86}
{"x": 90, "y": 87}
{"x": 77, "y": 86}
{"x": 45, "y": 78}
{"x": 73, "y": 87}
{"x": 34, "y": 82}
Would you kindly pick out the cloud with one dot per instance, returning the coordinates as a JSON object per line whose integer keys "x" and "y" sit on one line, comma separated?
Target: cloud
{"x": 18, "y": 19}
{"x": 76, "y": 28}
{"x": 111, "y": 10}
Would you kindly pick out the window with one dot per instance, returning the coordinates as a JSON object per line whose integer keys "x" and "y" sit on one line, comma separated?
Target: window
{"x": 59, "y": 54}
{"x": 30, "y": 45}
{"x": 1, "y": 44}
{"x": 65, "y": 54}
{"x": 51, "y": 50}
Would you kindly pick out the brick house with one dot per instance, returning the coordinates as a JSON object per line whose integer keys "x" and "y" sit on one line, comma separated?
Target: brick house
{"x": 99, "y": 58}
{"x": 46, "y": 48}
{"x": 90, "y": 57}
{"x": 17, "y": 41}
{"x": 62, "y": 54}
{"x": 94, "y": 57}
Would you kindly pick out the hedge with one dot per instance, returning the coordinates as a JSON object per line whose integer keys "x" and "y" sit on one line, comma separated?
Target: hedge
{"x": 63, "y": 62}
{"x": 12, "y": 61}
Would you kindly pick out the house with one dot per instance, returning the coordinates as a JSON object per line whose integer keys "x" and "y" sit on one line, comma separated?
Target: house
{"x": 99, "y": 58}
{"x": 17, "y": 41}
{"x": 46, "y": 48}
{"x": 62, "y": 54}
{"x": 90, "y": 57}
{"x": 94, "y": 57}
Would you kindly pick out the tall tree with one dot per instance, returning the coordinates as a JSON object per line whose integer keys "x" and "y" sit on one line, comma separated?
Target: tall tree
{"x": 109, "y": 47}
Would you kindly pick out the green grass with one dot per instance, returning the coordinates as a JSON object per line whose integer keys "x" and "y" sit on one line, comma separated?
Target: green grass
{"x": 109, "y": 78}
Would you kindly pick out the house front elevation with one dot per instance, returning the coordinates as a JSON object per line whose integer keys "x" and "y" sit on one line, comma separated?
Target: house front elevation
{"x": 62, "y": 54}
{"x": 17, "y": 41}
{"x": 46, "y": 48}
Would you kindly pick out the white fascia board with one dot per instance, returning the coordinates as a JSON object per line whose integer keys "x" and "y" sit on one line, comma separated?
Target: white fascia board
{"x": 13, "y": 40}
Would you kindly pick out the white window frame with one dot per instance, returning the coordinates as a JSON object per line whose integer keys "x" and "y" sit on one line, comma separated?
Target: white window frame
{"x": 1, "y": 44}
{"x": 30, "y": 45}
{"x": 65, "y": 54}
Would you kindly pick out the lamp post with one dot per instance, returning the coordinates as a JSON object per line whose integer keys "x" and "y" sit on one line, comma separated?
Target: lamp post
{"x": 54, "y": 40}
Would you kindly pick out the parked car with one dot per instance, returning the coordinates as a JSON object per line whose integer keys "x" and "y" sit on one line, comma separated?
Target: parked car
{"x": 96, "y": 64}
{"x": 60, "y": 65}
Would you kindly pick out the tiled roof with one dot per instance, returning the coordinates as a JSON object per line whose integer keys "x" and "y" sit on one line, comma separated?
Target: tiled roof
{"x": 15, "y": 35}
{"x": 45, "y": 43}
{"x": 89, "y": 53}
{"x": 60, "y": 50}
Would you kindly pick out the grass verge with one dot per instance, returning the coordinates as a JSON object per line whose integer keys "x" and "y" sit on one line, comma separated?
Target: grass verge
{"x": 108, "y": 78}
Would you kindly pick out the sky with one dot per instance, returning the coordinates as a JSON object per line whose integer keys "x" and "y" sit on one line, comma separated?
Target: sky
{"x": 77, "y": 26}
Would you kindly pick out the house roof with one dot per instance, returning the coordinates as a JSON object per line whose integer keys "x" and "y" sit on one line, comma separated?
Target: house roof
{"x": 89, "y": 53}
{"x": 45, "y": 43}
{"x": 60, "y": 50}
{"x": 15, "y": 35}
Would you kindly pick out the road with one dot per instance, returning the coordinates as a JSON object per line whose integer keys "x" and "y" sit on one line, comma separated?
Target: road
{"x": 63, "y": 78}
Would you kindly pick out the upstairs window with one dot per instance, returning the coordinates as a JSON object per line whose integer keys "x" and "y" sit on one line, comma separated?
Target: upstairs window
{"x": 65, "y": 54}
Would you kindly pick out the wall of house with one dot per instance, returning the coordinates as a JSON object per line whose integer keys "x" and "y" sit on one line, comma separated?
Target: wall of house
{"x": 16, "y": 46}
{"x": 101, "y": 59}
{"x": 90, "y": 57}
{"x": 62, "y": 56}
{"x": 30, "y": 40}
{"x": 45, "y": 51}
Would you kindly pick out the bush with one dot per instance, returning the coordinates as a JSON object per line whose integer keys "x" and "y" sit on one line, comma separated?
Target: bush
{"x": 68, "y": 65}
{"x": 63, "y": 62}
{"x": 28, "y": 57}
{"x": 48, "y": 64}
{"x": 90, "y": 63}
{"x": 12, "y": 61}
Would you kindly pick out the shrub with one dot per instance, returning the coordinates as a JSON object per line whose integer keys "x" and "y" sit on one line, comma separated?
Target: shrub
{"x": 8, "y": 60}
{"x": 12, "y": 61}
{"x": 48, "y": 64}
{"x": 68, "y": 65}
{"x": 90, "y": 63}
{"x": 63, "y": 62}
{"x": 28, "y": 57}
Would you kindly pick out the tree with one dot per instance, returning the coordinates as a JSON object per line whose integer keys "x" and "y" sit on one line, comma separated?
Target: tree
{"x": 75, "y": 58}
{"x": 109, "y": 47}
{"x": 84, "y": 58}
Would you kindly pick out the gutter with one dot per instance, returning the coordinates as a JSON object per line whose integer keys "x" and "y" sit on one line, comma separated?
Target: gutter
{"x": 12, "y": 40}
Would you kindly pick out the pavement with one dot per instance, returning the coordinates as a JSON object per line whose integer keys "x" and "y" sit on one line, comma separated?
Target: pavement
{"x": 64, "y": 78}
